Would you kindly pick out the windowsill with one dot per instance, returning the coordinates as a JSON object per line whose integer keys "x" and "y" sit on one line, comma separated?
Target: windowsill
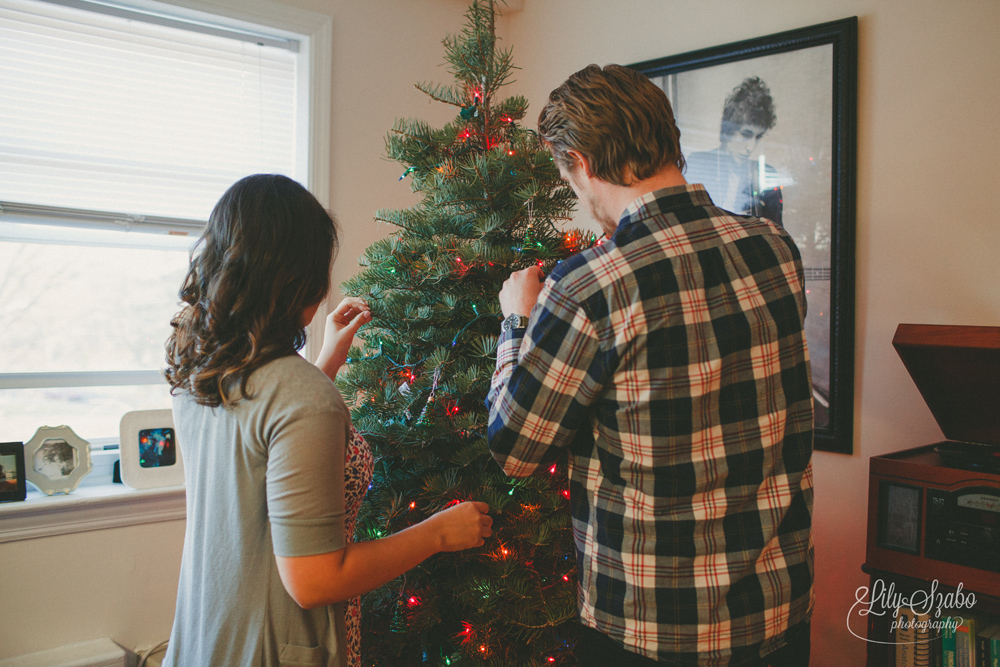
{"x": 96, "y": 507}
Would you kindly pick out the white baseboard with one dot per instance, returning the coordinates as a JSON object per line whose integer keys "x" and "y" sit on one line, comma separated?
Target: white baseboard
{"x": 95, "y": 653}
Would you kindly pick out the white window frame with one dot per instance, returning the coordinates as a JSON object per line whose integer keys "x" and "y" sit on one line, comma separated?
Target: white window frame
{"x": 107, "y": 506}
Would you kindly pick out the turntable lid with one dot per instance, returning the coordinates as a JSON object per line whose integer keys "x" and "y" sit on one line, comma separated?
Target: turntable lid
{"x": 957, "y": 370}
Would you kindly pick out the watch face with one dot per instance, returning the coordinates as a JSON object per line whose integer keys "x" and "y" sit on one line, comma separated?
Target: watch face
{"x": 514, "y": 321}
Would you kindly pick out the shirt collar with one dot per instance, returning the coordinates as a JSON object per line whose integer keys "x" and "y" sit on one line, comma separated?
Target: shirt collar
{"x": 664, "y": 200}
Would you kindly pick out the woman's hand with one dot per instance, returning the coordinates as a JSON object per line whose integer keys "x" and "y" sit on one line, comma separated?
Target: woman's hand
{"x": 341, "y": 325}
{"x": 463, "y": 526}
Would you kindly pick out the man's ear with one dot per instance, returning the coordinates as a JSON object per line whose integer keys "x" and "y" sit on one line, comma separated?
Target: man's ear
{"x": 580, "y": 161}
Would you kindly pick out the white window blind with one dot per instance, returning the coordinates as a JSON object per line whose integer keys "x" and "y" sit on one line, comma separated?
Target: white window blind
{"x": 107, "y": 113}
{"x": 114, "y": 121}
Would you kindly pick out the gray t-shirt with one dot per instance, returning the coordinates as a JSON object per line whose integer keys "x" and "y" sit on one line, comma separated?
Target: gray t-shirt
{"x": 265, "y": 477}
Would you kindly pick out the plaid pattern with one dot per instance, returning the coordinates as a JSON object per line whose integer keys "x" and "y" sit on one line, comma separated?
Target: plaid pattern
{"x": 671, "y": 362}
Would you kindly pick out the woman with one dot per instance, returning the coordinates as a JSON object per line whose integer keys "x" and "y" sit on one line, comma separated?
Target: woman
{"x": 274, "y": 470}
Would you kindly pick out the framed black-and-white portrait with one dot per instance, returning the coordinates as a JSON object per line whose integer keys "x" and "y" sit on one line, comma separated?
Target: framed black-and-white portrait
{"x": 768, "y": 126}
{"x": 12, "y": 475}
{"x": 56, "y": 459}
{"x": 149, "y": 454}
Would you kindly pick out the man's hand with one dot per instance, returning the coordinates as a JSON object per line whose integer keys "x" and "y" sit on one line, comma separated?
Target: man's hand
{"x": 520, "y": 291}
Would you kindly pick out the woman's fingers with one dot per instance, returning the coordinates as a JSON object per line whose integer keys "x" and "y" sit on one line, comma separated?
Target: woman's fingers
{"x": 464, "y": 525}
{"x": 357, "y": 319}
{"x": 347, "y": 308}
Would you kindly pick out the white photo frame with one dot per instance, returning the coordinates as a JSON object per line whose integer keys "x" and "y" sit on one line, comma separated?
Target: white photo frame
{"x": 149, "y": 452}
{"x": 56, "y": 459}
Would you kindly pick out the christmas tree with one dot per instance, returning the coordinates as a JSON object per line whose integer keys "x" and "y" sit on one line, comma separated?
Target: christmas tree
{"x": 491, "y": 197}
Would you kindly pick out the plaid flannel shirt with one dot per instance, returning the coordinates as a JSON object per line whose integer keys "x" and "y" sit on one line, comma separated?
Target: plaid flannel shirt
{"x": 671, "y": 362}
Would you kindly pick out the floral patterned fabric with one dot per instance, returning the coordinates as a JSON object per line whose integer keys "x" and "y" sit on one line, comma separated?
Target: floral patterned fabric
{"x": 358, "y": 469}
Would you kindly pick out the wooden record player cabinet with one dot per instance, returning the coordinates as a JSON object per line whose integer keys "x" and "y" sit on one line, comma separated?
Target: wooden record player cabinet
{"x": 920, "y": 468}
{"x": 957, "y": 370}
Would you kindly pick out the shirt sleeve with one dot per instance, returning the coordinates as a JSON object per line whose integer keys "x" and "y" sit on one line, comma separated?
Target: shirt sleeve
{"x": 305, "y": 474}
{"x": 546, "y": 379}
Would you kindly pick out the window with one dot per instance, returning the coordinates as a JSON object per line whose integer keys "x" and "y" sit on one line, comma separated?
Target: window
{"x": 119, "y": 130}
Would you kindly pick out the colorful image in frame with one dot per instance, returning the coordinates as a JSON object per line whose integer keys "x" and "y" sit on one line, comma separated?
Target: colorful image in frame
{"x": 56, "y": 459}
{"x": 150, "y": 455}
{"x": 12, "y": 480}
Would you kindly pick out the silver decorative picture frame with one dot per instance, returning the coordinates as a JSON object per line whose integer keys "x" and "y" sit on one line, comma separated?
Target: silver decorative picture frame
{"x": 56, "y": 459}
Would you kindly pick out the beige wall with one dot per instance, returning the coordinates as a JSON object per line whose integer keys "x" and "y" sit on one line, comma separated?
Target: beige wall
{"x": 119, "y": 583}
{"x": 928, "y": 239}
{"x": 926, "y": 243}
{"x": 380, "y": 49}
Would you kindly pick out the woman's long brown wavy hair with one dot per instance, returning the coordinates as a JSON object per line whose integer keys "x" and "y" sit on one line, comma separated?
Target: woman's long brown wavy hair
{"x": 264, "y": 258}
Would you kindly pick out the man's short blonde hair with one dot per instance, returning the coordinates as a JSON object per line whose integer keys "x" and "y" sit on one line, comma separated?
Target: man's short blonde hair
{"x": 619, "y": 119}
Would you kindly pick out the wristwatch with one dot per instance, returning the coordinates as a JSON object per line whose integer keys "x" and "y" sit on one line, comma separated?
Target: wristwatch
{"x": 514, "y": 322}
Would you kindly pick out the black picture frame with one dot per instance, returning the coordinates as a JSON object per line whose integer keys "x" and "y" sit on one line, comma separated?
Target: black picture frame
{"x": 810, "y": 188}
{"x": 12, "y": 483}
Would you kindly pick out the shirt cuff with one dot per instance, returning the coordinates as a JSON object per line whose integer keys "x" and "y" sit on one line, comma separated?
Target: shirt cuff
{"x": 307, "y": 537}
{"x": 508, "y": 348}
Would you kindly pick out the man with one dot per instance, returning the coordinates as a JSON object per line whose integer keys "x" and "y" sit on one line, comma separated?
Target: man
{"x": 733, "y": 180}
{"x": 671, "y": 363}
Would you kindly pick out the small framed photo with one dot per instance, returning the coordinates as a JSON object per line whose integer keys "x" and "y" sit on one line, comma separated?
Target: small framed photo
{"x": 56, "y": 459}
{"x": 12, "y": 486}
{"x": 150, "y": 456}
